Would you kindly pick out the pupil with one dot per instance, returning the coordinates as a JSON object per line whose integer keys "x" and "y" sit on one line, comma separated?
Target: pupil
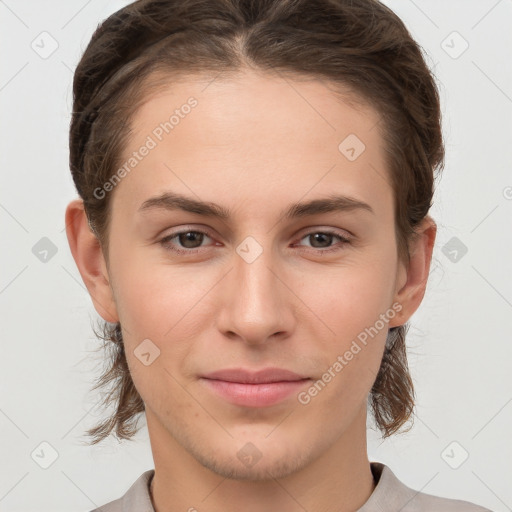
{"x": 186, "y": 238}
{"x": 317, "y": 236}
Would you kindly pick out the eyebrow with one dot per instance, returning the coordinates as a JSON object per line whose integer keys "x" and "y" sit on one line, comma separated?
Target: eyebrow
{"x": 332, "y": 203}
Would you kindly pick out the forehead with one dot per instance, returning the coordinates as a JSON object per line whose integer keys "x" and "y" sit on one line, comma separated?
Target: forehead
{"x": 254, "y": 133}
{"x": 232, "y": 101}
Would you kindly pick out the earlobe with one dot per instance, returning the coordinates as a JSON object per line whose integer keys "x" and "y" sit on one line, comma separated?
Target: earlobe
{"x": 411, "y": 293}
{"x": 88, "y": 256}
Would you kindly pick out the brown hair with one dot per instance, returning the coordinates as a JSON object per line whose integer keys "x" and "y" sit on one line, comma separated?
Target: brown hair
{"x": 361, "y": 46}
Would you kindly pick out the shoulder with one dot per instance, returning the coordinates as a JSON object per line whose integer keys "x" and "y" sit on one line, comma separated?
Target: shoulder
{"x": 391, "y": 494}
{"x": 434, "y": 503}
{"x": 136, "y": 498}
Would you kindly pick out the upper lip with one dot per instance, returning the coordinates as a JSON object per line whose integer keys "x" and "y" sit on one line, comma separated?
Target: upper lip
{"x": 244, "y": 376}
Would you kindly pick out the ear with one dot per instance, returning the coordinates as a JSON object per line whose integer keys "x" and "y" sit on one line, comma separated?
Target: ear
{"x": 88, "y": 256}
{"x": 412, "y": 279}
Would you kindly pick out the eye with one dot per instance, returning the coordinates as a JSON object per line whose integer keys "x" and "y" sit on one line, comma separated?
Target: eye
{"x": 322, "y": 240}
{"x": 189, "y": 240}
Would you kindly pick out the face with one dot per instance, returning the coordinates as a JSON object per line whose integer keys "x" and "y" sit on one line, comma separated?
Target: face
{"x": 310, "y": 290}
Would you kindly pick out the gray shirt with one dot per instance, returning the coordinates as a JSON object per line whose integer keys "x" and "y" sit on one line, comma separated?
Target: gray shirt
{"x": 389, "y": 495}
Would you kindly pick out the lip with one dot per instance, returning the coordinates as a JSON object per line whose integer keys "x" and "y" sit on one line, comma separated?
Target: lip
{"x": 264, "y": 376}
{"x": 260, "y": 388}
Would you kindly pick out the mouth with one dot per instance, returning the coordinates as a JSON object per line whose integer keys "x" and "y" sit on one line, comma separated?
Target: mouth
{"x": 262, "y": 388}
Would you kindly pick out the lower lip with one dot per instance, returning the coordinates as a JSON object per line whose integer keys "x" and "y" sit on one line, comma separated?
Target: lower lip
{"x": 255, "y": 395}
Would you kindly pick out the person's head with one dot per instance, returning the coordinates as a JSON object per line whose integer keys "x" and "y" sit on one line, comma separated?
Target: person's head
{"x": 254, "y": 106}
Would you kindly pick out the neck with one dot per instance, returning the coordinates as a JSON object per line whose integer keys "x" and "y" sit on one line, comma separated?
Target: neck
{"x": 339, "y": 480}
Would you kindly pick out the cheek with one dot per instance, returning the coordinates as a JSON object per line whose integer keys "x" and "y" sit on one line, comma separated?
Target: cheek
{"x": 356, "y": 305}
{"x": 350, "y": 298}
{"x": 153, "y": 297}
{"x": 350, "y": 359}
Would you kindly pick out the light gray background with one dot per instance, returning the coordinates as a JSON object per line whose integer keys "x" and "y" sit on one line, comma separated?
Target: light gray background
{"x": 459, "y": 345}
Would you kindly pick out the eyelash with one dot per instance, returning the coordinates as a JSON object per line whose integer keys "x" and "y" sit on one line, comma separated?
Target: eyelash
{"x": 165, "y": 242}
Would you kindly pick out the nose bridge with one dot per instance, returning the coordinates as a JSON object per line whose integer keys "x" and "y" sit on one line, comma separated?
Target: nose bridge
{"x": 254, "y": 307}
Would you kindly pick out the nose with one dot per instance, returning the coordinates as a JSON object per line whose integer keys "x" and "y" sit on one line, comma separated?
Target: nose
{"x": 256, "y": 303}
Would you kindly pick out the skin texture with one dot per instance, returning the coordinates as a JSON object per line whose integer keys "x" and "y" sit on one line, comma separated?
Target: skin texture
{"x": 254, "y": 144}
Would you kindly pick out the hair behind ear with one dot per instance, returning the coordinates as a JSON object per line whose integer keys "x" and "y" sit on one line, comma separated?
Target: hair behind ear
{"x": 122, "y": 395}
{"x": 392, "y": 395}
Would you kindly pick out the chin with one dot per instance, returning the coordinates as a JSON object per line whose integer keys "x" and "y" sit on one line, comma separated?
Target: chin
{"x": 255, "y": 466}
{"x": 252, "y": 452}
